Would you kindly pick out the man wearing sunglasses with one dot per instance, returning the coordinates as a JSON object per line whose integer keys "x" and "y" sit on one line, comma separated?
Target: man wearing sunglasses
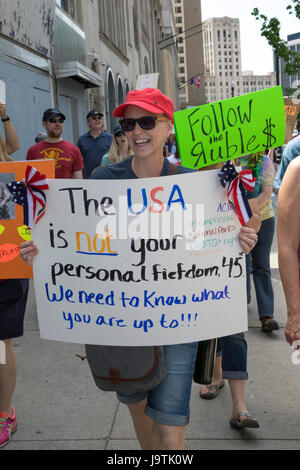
{"x": 160, "y": 415}
{"x": 67, "y": 157}
{"x": 95, "y": 143}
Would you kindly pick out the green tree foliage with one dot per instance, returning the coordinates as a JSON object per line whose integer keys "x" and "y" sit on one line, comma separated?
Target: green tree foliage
{"x": 270, "y": 29}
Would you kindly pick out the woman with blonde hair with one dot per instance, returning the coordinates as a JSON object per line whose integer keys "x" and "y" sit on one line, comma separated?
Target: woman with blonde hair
{"x": 119, "y": 149}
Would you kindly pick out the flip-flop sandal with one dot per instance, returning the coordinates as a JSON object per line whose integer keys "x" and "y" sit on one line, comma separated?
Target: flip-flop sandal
{"x": 213, "y": 391}
{"x": 248, "y": 422}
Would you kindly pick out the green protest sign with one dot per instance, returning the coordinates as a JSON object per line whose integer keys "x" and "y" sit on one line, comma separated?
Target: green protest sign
{"x": 225, "y": 130}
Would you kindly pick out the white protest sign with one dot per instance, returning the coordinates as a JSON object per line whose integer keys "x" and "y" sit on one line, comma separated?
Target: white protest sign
{"x": 148, "y": 80}
{"x": 182, "y": 280}
{"x": 2, "y": 92}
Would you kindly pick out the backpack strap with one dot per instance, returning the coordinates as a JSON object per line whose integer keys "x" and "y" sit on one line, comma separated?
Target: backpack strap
{"x": 173, "y": 169}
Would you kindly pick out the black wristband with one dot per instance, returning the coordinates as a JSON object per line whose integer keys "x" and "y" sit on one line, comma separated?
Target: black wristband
{"x": 5, "y": 119}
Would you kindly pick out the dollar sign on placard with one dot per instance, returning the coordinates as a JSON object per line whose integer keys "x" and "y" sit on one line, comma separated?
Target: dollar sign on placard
{"x": 271, "y": 139}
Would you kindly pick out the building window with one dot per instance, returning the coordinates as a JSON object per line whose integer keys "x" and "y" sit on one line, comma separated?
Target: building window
{"x": 112, "y": 22}
{"x": 73, "y": 8}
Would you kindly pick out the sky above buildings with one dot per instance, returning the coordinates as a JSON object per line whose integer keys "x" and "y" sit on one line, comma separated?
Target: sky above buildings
{"x": 256, "y": 53}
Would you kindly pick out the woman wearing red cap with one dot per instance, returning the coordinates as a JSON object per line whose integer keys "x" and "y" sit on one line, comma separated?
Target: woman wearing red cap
{"x": 160, "y": 415}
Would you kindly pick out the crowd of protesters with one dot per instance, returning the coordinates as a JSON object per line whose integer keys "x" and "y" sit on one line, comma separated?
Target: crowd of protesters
{"x": 143, "y": 145}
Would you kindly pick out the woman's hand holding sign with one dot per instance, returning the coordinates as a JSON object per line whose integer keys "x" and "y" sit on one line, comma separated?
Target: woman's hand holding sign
{"x": 247, "y": 239}
{"x": 27, "y": 251}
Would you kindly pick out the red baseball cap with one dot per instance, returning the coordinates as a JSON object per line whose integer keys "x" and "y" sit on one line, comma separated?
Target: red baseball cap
{"x": 151, "y": 99}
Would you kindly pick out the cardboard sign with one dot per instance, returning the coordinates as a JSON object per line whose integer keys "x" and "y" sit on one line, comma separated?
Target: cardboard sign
{"x": 148, "y": 80}
{"x": 139, "y": 262}
{"x": 12, "y": 229}
{"x": 292, "y": 108}
{"x": 225, "y": 130}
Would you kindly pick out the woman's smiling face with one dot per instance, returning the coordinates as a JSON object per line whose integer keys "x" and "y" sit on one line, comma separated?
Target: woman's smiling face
{"x": 147, "y": 143}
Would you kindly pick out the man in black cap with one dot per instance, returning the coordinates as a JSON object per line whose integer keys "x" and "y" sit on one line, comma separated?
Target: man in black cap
{"x": 68, "y": 159}
{"x": 95, "y": 143}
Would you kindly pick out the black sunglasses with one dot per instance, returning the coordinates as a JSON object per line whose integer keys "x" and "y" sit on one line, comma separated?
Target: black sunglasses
{"x": 119, "y": 134}
{"x": 147, "y": 123}
{"x": 53, "y": 120}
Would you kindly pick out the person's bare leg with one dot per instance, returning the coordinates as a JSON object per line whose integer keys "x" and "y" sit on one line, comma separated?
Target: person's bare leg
{"x": 153, "y": 435}
{"x": 143, "y": 425}
{"x": 168, "y": 437}
{"x": 8, "y": 375}
{"x": 237, "y": 389}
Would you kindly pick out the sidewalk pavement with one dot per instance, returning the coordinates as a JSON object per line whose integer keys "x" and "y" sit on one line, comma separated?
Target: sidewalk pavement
{"x": 59, "y": 407}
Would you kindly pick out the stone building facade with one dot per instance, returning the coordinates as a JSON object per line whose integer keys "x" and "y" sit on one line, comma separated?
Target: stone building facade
{"x": 81, "y": 54}
{"x": 123, "y": 41}
{"x": 189, "y": 40}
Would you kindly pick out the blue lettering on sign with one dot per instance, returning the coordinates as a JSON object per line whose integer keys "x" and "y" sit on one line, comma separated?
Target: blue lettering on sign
{"x": 143, "y": 324}
{"x": 83, "y": 318}
{"x": 211, "y": 295}
{"x": 54, "y": 297}
{"x": 175, "y": 196}
{"x": 112, "y": 321}
{"x": 72, "y": 318}
{"x": 83, "y": 296}
{"x": 151, "y": 301}
{"x": 224, "y": 207}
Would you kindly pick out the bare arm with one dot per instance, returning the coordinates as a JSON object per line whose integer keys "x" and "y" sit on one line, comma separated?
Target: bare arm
{"x": 288, "y": 245}
{"x": 77, "y": 174}
{"x": 11, "y": 139}
{"x": 264, "y": 196}
{"x": 267, "y": 182}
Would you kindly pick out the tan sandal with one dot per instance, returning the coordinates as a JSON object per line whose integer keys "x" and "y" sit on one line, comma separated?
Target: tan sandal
{"x": 213, "y": 390}
{"x": 247, "y": 422}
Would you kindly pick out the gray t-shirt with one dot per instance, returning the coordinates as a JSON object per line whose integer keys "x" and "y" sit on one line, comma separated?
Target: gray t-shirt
{"x": 123, "y": 170}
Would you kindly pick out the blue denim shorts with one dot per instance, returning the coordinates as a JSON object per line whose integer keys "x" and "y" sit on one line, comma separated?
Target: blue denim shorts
{"x": 169, "y": 403}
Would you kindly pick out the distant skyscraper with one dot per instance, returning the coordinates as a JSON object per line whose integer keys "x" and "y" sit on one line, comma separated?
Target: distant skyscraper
{"x": 285, "y": 80}
{"x": 223, "y": 61}
{"x": 191, "y": 73}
